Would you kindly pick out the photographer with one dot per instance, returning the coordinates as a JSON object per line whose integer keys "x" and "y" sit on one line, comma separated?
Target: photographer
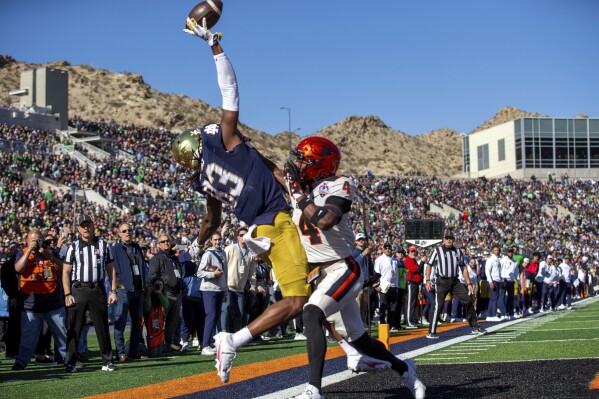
{"x": 155, "y": 302}
{"x": 40, "y": 297}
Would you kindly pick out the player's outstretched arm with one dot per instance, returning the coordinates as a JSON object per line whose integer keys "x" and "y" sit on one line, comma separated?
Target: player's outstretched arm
{"x": 227, "y": 82}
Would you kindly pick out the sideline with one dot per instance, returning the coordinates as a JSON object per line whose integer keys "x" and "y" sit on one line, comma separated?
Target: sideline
{"x": 202, "y": 382}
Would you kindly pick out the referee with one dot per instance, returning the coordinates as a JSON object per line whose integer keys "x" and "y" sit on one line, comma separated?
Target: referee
{"x": 88, "y": 261}
{"x": 449, "y": 261}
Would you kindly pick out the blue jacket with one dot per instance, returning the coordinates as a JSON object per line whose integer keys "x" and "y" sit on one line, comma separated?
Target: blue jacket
{"x": 3, "y": 303}
{"x": 122, "y": 264}
{"x": 365, "y": 263}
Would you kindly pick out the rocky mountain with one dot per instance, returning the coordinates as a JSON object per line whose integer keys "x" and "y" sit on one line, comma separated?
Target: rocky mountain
{"x": 366, "y": 142}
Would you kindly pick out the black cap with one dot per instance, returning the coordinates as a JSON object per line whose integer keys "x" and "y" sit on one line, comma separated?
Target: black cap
{"x": 387, "y": 245}
{"x": 449, "y": 235}
{"x": 84, "y": 218}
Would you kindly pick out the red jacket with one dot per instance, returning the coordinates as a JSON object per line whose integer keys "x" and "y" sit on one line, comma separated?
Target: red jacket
{"x": 532, "y": 268}
{"x": 413, "y": 274}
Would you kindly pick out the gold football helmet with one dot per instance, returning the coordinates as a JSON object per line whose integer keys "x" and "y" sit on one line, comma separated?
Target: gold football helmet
{"x": 187, "y": 149}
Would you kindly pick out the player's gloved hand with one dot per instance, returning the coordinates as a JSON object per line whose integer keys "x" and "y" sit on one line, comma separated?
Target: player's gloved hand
{"x": 292, "y": 174}
{"x": 196, "y": 250}
{"x": 201, "y": 31}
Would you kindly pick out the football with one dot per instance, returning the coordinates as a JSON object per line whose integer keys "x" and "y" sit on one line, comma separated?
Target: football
{"x": 209, "y": 9}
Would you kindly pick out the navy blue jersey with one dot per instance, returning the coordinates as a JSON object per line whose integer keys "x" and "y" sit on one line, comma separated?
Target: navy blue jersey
{"x": 238, "y": 178}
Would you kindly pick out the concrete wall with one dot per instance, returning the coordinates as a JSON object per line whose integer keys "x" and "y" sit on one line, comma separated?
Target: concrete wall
{"x": 33, "y": 120}
{"x": 491, "y": 137}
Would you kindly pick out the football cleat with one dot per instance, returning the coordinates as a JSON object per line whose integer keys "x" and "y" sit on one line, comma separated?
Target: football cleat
{"x": 225, "y": 353}
{"x": 411, "y": 380}
{"x": 362, "y": 363}
{"x": 311, "y": 392}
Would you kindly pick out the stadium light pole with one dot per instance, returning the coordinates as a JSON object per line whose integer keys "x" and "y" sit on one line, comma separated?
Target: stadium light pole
{"x": 289, "y": 124}
{"x": 291, "y": 134}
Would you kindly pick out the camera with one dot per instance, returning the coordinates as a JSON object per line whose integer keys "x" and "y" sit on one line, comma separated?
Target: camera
{"x": 42, "y": 243}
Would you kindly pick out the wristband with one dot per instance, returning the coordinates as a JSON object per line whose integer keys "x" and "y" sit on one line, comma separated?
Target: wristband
{"x": 469, "y": 283}
{"x": 113, "y": 291}
{"x": 319, "y": 214}
{"x": 303, "y": 203}
{"x": 69, "y": 294}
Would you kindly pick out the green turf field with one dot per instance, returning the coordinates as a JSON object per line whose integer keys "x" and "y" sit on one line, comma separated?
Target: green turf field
{"x": 52, "y": 381}
{"x": 558, "y": 335}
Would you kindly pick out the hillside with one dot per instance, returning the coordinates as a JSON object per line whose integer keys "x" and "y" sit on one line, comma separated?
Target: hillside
{"x": 366, "y": 142}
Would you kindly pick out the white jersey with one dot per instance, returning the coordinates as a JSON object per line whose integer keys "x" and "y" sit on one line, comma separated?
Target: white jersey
{"x": 338, "y": 242}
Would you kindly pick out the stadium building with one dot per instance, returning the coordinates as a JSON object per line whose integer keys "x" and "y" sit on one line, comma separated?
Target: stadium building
{"x": 529, "y": 147}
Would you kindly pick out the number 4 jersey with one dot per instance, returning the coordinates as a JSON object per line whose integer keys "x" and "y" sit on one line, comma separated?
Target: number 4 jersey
{"x": 239, "y": 178}
{"x": 338, "y": 242}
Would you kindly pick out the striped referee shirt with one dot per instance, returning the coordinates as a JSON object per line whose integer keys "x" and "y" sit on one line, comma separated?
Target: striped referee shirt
{"x": 89, "y": 260}
{"x": 449, "y": 261}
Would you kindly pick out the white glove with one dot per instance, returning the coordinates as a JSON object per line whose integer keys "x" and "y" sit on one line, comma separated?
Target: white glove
{"x": 195, "y": 250}
{"x": 201, "y": 31}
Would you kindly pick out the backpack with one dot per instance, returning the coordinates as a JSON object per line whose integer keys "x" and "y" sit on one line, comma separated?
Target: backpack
{"x": 155, "y": 325}
{"x": 191, "y": 282}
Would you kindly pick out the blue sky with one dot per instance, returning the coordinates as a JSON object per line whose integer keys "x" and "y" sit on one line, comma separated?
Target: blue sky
{"x": 418, "y": 65}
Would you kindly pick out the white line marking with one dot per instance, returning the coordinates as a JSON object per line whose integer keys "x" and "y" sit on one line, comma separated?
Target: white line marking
{"x": 553, "y": 340}
{"x": 528, "y": 360}
{"x": 345, "y": 375}
{"x": 566, "y": 329}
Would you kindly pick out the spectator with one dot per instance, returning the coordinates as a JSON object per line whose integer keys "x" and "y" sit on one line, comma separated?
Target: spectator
{"x": 41, "y": 299}
{"x": 10, "y": 285}
{"x": 366, "y": 298}
{"x": 241, "y": 274}
{"x": 131, "y": 281}
{"x": 192, "y": 306}
{"x": 165, "y": 265}
{"x": 509, "y": 278}
{"x": 564, "y": 293}
{"x": 493, "y": 274}
{"x": 388, "y": 288}
{"x": 213, "y": 273}
{"x": 414, "y": 280}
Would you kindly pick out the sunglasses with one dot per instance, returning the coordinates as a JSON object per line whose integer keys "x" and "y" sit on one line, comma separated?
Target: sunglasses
{"x": 126, "y": 231}
{"x": 164, "y": 242}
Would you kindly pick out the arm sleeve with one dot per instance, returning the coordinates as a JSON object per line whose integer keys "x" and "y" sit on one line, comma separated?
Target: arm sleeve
{"x": 227, "y": 81}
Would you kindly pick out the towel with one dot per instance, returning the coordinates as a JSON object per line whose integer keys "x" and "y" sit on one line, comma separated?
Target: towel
{"x": 257, "y": 245}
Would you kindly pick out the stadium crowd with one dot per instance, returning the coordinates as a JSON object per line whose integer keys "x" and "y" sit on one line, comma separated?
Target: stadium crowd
{"x": 505, "y": 213}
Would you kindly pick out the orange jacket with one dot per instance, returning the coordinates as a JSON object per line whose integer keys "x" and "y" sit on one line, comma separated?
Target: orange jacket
{"x": 40, "y": 275}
